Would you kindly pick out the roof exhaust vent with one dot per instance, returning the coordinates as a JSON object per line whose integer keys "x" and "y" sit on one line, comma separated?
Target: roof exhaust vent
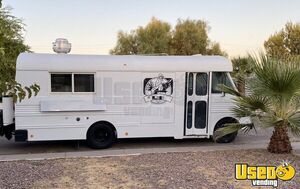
{"x": 61, "y": 46}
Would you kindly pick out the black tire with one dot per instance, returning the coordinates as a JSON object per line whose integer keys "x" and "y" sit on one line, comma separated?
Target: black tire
{"x": 100, "y": 136}
{"x": 227, "y": 138}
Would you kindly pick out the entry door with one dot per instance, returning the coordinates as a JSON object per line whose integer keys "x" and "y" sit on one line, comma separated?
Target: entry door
{"x": 196, "y": 103}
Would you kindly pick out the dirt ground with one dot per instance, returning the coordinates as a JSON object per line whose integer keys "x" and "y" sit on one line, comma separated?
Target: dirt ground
{"x": 164, "y": 170}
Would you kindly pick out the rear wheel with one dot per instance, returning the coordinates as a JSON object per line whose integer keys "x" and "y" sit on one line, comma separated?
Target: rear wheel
{"x": 227, "y": 138}
{"x": 101, "y": 136}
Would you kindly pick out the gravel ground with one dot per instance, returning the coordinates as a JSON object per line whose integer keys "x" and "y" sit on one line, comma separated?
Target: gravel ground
{"x": 165, "y": 170}
{"x": 22, "y": 174}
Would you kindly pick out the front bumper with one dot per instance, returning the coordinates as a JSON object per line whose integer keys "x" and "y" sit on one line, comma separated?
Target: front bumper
{"x": 21, "y": 135}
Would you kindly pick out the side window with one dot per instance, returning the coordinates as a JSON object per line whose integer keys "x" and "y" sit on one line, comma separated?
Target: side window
{"x": 83, "y": 82}
{"x": 190, "y": 115}
{"x": 201, "y": 84}
{"x": 200, "y": 114}
{"x": 190, "y": 84}
{"x": 69, "y": 82}
{"x": 61, "y": 82}
{"x": 219, "y": 78}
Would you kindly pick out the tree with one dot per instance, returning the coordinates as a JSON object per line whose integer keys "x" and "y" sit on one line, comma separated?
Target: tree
{"x": 284, "y": 43}
{"x": 126, "y": 44}
{"x": 190, "y": 37}
{"x": 242, "y": 69}
{"x": 157, "y": 37}
{"x": 154, "y": 38}
{"x": 215, "y": 49}
{"x": 274, "y": 101}
{"x": 11, "y": 45}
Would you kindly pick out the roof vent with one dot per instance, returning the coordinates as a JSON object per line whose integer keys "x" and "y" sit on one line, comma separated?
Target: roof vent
{"x": 61, "y": 46}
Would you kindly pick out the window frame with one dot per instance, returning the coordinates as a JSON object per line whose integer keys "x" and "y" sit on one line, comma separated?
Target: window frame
{"x": 73, "y": 83}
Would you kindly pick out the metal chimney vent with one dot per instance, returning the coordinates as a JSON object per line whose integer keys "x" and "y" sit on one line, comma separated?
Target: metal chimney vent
{"x": 61, "y": 45}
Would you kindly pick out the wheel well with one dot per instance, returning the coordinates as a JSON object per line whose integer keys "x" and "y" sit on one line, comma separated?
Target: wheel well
{"x": 226, "y": 120}
{"x": 106, "y": 123}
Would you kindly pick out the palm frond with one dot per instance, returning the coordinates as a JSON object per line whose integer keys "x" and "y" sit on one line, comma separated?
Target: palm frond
{"x": 270, "y": 120}
{"x": 275, "y": 77}
{"x": 231, "y": 128}
{"x": 240, "y": 111}
{"x": 294, "y": 124}
{"x": 228, "y": 90}
{"x": 250, "y": 105}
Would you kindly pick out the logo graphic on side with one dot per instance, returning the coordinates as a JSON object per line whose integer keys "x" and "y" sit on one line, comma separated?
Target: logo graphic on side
{"x": 158, "y": 90}
{"x": 265, "y": 175}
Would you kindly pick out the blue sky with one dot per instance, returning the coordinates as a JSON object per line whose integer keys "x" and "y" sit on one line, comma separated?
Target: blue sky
{"x": 92, "y": 25}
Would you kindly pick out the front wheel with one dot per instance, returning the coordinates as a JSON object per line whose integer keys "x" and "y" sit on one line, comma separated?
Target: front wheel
{"x": 227, "y": 138}
{"x": 101, "y": 136}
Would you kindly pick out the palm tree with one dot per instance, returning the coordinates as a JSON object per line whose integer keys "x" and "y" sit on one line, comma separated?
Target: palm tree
{"x": 273, "y": 101}
{"x": 242, "y": 69}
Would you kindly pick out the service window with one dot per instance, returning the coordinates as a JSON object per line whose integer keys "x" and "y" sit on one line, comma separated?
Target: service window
{"x": 83, "y": 82}
{"x": 220, "y": 78}
{"x": 61, "y": 82}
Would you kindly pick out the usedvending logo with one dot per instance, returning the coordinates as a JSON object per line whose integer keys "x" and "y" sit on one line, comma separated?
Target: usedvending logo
{"x": 158, "y": 90}
{"x": 265, "y": 175}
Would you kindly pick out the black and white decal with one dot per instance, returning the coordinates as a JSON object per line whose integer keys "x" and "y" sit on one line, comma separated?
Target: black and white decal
{"x": 158, "y": 90}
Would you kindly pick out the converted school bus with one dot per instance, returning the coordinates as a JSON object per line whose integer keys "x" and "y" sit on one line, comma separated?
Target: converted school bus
{"x": 101, "y": 98}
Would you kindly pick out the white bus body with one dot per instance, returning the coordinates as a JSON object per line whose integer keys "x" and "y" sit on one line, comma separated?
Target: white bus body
{"x": 137, "y": 96}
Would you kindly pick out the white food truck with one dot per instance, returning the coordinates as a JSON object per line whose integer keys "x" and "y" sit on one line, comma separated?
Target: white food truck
{"x": 100, "y": 98}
